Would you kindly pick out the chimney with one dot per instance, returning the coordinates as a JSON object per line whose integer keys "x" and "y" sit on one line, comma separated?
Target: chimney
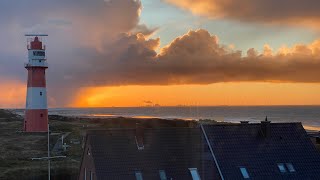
{"x": 266, "y": 128}
{"x": 139, "y": 136}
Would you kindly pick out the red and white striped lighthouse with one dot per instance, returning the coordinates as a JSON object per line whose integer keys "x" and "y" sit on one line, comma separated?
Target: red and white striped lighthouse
{"x": 36, "y": 114}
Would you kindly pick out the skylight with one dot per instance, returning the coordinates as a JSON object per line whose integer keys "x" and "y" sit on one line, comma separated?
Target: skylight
{"x": 244, "y": 173}
{"x": 290, "y": 167}
{"x": 194, "y": 173}
{"x": 163, "y": 175}
{"x": 282, "y": 168}
{"x": 139, "y": 175}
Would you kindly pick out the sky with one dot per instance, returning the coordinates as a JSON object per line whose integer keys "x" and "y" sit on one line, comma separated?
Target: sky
{"x": 120, "y": 53}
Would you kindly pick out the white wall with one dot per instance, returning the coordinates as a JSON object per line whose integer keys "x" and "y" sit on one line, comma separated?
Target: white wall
{"x": 35, "y": 100}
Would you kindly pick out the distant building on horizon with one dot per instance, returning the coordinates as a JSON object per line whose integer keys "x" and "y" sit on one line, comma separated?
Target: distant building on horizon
{"x": 220, "y": 151}
{"x": 36, "y": 113}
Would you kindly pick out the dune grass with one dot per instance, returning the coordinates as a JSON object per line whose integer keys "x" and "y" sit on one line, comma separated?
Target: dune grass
{"x": 17, "y": 148}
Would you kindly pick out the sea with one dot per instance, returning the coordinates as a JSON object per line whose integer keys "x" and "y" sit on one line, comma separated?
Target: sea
{"x": 309, "y": 116}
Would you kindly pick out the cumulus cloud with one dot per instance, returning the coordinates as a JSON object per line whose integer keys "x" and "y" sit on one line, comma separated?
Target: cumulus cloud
{"x": 267, "y": 11}
{"x": 143, "y": 29}
{"x": 194, "y": 58}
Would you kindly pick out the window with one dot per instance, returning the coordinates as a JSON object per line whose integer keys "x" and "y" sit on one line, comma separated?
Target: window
{"x": 282, "y": 168}
{"x": 244, "y": 173}
{"x": 290, "y": 167}
{"x": 139, "y": 175}
{"x": 41, "y": 115}
{"x": 39, "y": 53}
{"x": 40, "y": 93}
{"x": 194, "y": 173}
{"x": 163, "y": 175}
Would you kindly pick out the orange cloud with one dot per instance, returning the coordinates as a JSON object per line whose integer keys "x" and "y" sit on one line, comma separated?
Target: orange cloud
{"x": 294, "y": 12}
{"x": 13, "y": 94}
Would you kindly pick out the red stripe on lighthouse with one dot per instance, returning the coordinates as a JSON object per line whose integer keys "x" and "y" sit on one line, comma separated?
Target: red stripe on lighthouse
{"x": 36, "y": 120}
{"x": 36, "y": 77}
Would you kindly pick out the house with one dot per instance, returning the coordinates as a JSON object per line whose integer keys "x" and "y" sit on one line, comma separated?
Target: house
{"x": 162, "y": 153}
{"x": 264, "y": 151}
{"x": 221, "y": 151}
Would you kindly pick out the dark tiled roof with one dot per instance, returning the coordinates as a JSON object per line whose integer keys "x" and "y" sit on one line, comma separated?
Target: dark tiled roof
{"x": 174, "y": 150}
{"x": 243, "y": 145}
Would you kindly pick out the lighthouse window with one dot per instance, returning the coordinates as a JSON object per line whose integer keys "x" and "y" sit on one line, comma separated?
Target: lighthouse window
{"x": 39, "y": 53}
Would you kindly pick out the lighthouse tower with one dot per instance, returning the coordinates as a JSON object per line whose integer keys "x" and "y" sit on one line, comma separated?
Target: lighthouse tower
{"x": 36, "y": 114}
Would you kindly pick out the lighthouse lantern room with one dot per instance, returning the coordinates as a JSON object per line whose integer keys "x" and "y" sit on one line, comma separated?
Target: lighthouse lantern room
{"x": 36, "y": 113}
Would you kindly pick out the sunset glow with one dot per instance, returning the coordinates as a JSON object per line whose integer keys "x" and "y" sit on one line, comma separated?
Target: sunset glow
{"x": 13, "y": 94}
{"x": 241, "y": 94}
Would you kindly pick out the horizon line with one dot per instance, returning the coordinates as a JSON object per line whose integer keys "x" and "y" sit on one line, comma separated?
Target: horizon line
{"x": 168, "y": 106}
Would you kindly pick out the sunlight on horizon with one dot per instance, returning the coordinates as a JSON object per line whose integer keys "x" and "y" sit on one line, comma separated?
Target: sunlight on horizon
{"x": 239, "y": 94}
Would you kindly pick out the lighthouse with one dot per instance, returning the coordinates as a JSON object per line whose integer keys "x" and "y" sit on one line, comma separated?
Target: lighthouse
{"x": 36, "y": 113}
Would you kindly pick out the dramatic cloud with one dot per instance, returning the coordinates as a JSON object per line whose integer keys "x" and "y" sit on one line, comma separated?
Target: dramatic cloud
{"x": 267, "y": 11}
{"x": 195, "y": 58}
{"x": 75, "y": 27}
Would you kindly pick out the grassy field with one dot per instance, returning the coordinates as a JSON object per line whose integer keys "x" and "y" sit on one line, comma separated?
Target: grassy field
{"x": 17, "y": 149}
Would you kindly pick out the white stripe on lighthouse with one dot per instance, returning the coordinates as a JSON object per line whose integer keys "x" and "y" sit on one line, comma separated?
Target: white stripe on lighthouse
{"x": 36, "y": 98}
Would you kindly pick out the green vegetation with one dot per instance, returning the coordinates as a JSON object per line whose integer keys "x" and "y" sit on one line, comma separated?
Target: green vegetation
{"x": 17, "y": 148}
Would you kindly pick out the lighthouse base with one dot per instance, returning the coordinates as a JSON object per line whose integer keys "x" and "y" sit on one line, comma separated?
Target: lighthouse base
{"x": 36, "y": 120}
